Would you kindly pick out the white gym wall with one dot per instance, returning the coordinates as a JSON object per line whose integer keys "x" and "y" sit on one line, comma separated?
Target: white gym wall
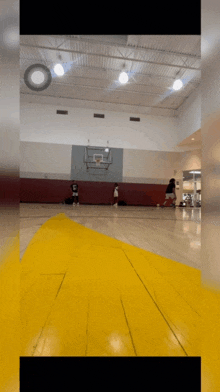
{"x": 40, "y": 123}
{"x": 44, "y": 160}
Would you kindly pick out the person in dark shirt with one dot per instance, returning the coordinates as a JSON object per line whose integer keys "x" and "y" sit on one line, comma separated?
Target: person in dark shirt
{"x": 75, "y": 194}
{"x": 170, "y": 193}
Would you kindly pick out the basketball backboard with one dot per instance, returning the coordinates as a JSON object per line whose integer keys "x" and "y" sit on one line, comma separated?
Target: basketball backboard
{"x": 97, "y": 158}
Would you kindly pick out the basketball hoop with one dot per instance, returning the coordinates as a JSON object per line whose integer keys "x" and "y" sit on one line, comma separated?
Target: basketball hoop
{"x": 98, "y": 160}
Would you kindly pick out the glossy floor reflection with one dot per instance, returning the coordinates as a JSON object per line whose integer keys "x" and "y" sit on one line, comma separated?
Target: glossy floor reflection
{"x": 9, "y": 227}
{"x": 175, "y": 234}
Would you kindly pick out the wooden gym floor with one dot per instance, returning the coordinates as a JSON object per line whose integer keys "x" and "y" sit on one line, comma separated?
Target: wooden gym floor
{"x": 106, "y": 281}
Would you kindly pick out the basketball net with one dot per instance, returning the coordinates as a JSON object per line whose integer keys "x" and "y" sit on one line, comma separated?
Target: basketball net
{"x": 98, "y": 162}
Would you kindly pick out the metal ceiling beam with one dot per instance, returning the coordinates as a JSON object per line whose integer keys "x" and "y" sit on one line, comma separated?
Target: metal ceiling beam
{"x": 102, "y": 102}
{"x": 115, "y": 70}
{"x": 112, "y": 57}
{"x": 135, "y": 48}
{"x": 113, "y": 89}
{"x": 108, "y": 79}
{"x": 126, "y": 91}
{"x": 183, "y": 102}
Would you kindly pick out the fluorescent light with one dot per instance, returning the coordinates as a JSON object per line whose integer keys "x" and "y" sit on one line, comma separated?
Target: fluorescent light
{"x": 195, "y": 172}
{"x": 37, "y": 77}
{"x": 123, "y": 78}
{"x": 178, "y": 84}
{"x": 58, "y": 69}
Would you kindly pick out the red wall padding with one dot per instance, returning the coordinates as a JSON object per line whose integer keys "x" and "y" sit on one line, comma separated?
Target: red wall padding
{"x": 9, "y": 190}
{"x": 55, "y": 191}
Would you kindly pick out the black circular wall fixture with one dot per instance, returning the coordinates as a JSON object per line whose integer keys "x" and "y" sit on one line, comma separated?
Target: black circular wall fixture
{"x": 37, "y": 77}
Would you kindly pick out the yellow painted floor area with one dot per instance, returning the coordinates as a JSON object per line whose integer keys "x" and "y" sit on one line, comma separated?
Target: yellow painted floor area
{"x": 10, "y": 316}
{"x": 86, "y": 294}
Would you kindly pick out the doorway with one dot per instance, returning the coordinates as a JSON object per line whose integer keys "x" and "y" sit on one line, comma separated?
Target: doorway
{"x": 192, "y": 188}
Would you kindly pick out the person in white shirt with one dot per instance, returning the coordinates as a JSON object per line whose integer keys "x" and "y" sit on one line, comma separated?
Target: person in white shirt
{"x": 116, "y": 195}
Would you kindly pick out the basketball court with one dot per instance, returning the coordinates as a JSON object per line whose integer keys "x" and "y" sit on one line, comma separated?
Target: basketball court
{"x": 99, "y": 279}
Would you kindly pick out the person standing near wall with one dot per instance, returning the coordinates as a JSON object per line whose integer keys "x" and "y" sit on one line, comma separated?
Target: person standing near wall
{"x": 170, "y": 193}
{"x": 116, "y": 195}
{"x": 75, "y": 189}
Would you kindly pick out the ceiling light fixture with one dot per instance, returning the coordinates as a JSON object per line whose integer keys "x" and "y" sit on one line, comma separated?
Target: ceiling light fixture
{"x": 193, "y": 138}
{"x": 37, "y": 77}
{"x": 178, "y": 84}
{"x": 123, "y": 78}
{"x": 58, "y": 69}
